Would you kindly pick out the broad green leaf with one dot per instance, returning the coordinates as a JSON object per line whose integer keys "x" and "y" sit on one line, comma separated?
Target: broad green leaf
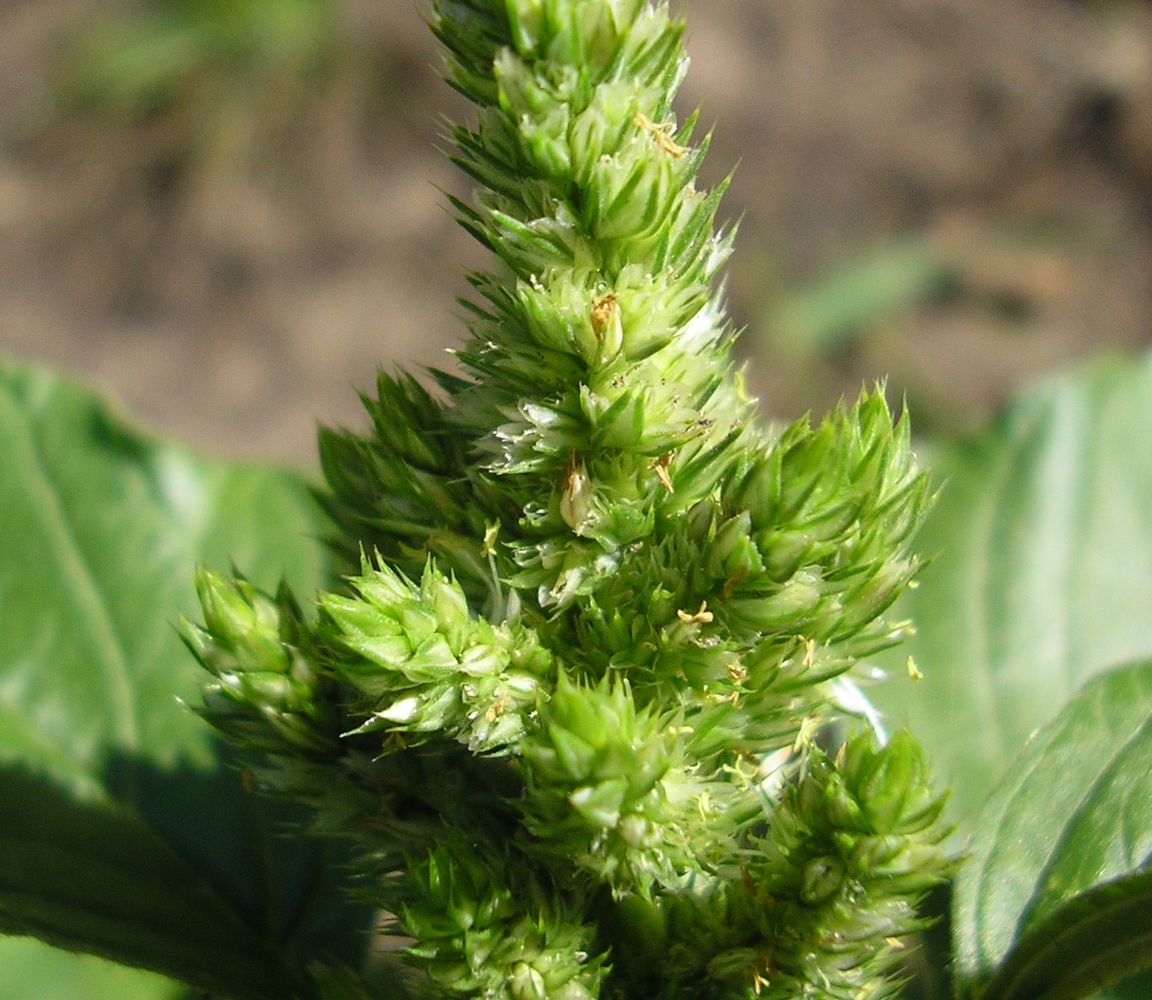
{"x": 1042, "y": 555}
{"x": 110, "y": 788}
{"x": 34, "y": 971}
{"x": 1056, "y": 898}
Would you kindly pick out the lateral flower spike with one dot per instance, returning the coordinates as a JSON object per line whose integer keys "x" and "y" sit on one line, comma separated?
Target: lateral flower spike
{"x": 607, "y": 788}
{"x": 857, "y": 843}
{"x": 484, "y": 931}
{"x": 570, "y": 712}
{"x": 422, "y": 666}
{"x": 267, "y": 691}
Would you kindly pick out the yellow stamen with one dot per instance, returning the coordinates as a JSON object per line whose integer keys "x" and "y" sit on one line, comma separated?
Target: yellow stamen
{"x": 663, "y": 136}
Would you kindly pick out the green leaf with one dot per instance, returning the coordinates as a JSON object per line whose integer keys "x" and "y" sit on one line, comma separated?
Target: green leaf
{"x": 34, "y": 971}
{"x": 111, "y": 789}
{"x": 1042, "y": 552}
{"x": 79, "y": 876}
{"x": 1056, "y": 899}
{"x": 1138, "y": 987}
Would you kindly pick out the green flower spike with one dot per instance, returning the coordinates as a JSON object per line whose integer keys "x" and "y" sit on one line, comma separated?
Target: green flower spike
{"x": 568, "y": 713}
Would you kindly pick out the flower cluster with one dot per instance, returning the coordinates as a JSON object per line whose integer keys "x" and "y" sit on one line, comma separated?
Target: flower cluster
{"x": 569, "y": 708}
{"x": 484, "y": 929}
{"x": 854, "y": 842}
{"x": 421, "y": 664}
{"x": 607, "y": 789}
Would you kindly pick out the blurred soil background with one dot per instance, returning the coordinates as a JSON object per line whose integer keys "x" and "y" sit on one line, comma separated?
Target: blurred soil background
{"x": 228, "y": 213}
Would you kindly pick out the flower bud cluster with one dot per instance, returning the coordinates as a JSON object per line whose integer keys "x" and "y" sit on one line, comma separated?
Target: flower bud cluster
{"x": 422, "y": 665}
{"x": 267, "y": 693}
{"x": 399, "y": 492}
{"x": 270, "y": 695}
{"x": 854, "y": 845}
{"x": 591, "y": 398}
{"x": 484, "y": 931}
{"x": 606, "y": 788}
{"x": 770, "y": 586}
{"x": 816, "y": 541}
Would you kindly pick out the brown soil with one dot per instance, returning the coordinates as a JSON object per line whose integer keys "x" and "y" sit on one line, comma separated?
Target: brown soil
{"x": 231, "y": 270}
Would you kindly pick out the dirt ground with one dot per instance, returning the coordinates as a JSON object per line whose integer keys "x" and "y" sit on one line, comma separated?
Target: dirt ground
{"x": 232, "y": 268}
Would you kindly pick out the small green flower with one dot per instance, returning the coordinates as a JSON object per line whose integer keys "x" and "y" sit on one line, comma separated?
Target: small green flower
{"x": 852, "y": 847}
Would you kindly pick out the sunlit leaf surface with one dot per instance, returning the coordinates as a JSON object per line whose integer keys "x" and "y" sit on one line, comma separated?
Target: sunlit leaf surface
{"x": 123, "y": 831}
{"x": 1056, "y": 899}
{"x": 1041, "y": 575}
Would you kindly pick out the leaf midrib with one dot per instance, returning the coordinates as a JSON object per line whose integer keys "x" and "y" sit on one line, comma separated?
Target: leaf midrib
{"x": 108, "y": 644}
